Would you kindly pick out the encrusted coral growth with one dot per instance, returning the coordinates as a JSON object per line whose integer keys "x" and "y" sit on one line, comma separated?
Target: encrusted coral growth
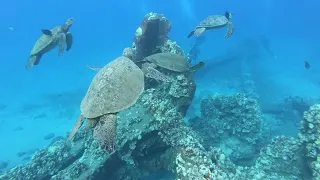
{"x": 232, "y": 123}
{"x": 191, "y": 160}
{"x": 236, "y": 115}
{"x": 181, "y": 90}
{"x": 87, "y": 164}
{"x": 282, "y": 157}
{"x": 172, "y": 47}
{"x": 280, "y": 160}
{"x": 44, "y": 163}
{"x": 310, "y": 138}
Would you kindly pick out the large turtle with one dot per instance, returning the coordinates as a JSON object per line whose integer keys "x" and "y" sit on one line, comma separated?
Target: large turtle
{"x": 115, "y": 87}
{"x": 57, "y": 36}
{"x": 214, "y": 22}
{"x": 173, "y": 62}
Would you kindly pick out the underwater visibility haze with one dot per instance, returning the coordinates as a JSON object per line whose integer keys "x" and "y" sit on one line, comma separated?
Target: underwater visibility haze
{"x": 160, "y": 90}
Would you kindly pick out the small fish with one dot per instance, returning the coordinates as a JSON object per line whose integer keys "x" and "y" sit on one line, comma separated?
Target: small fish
{"x": 10, "y": 28}
{"x": 19, "y": 128}
{"x": 306, "y": 65}
{"x": 94, "y": 68}
{"x": 46, "y": 32}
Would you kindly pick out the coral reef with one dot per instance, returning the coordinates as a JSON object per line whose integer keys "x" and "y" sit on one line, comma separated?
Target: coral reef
{"x": 45, "y": 162}
{"x": 153, "y": 126}
{"x": 283, "y": 156}
{"x": 236, "y": 115}
{"x": 310, "y": 138}
{"x": 236, "y": 123}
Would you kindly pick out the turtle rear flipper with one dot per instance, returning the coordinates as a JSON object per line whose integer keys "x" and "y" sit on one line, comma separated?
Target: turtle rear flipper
{"x": 62, "y": 42}
{"x": 105, "y": 132}
{"x": 229, "y": 30}
{"x": 76, "y": 127}
{"x": 33, "y": 60}
{"x": 69, "y": 40}
{"x": 197, "y": 66}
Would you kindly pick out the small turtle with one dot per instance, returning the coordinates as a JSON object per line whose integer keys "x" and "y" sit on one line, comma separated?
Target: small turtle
{"x": 57, "y": 36}
{"x": 173, "y": 62}
{"x": 117, "y": 86}
{"x": 214, "y": 22}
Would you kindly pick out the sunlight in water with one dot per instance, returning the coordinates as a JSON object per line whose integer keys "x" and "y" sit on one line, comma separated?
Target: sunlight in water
{"x": 188, "y": 10}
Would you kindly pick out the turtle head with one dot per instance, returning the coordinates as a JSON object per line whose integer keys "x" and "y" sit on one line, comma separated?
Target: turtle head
{"x": 228, "y": 15}
{"x": 68, "y": 24}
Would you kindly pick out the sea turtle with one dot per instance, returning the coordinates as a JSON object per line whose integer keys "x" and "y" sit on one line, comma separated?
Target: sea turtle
{"x": 147, "y": 68}
{"x": 214, "y": 22}
{"x": 173, "y": 62}
{"x": 57, "y": 36}
{"x": 115, "y": 87}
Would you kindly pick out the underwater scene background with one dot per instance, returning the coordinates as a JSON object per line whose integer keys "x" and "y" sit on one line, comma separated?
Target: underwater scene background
{"x": 252, "y": 111}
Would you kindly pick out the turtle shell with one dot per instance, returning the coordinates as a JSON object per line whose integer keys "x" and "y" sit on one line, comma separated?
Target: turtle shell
{"x": 116, "y": 87}
{"x": 45, "y": 43}
{"x": 214, "y": 21}
{"x": 170, "y": 61}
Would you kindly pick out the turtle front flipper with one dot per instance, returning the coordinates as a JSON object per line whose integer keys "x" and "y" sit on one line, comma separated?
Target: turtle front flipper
{"x": 199, "y": 31}
{"x": 229, "y": 30}
{"x": 105, "y": 132}
{"x": 69, "y": 40}
{"x": 33, "y": 60}
{"x": 62, "y": 42}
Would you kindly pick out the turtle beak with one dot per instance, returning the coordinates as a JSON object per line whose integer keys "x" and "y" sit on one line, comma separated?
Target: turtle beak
{"x": 70, "y": 21}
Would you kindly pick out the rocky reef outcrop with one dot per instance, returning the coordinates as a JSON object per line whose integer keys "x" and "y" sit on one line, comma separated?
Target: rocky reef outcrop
{"x": 153, "y": 137}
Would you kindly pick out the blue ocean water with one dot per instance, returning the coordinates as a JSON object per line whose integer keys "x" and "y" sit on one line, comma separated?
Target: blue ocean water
{"x": 45, "y": 100}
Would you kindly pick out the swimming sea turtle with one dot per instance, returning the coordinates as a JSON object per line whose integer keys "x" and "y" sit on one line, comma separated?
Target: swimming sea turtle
{"x": 214, "y": 22}
{"x": 173, "y": 62}
{"x": 58, "y": 35}
{"x": 116, "y": 87}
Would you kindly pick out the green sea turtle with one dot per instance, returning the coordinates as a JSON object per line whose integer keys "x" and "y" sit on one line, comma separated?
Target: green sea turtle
{"x": 57, "y": 36}
{"x": 115, "y": 87}
{"x": 214, "y": 22}
{"x": 173, "y": 62}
